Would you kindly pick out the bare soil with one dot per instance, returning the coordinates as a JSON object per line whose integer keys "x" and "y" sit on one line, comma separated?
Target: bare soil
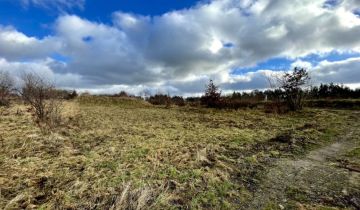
{"x": 314, "y": 181}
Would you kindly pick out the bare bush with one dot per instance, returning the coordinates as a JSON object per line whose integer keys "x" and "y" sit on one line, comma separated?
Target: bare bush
{"x": 6, "y": 88}
{"x": 42, "y": 97}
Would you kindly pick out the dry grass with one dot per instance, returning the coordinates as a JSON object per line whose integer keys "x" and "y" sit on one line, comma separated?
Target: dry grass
{"x": 112, "y": 154}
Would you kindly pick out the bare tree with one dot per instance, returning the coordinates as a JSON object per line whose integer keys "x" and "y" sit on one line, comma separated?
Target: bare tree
{"x": 41, "y": 96}
{"x": 6, "y": 88}
{"x": 274, "y": 81}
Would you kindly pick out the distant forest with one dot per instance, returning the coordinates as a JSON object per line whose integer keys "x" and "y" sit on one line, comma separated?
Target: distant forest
{"x": 324, "y": 91}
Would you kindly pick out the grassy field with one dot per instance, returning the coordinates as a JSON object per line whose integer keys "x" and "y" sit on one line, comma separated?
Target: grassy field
{"x": 127, "y": 154}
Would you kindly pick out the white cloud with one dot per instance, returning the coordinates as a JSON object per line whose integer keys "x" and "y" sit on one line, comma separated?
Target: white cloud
{"x": 44, "y": 69}
{"x": 181, "y": 50}
{"x": 215, "y": 46}
{"x": 345, "y": 71}
{"x": 302, "y": 64}
{"x": 16, "y": 45}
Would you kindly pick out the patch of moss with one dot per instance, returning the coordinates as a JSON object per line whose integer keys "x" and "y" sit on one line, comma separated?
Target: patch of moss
{"x": 296, "y": 194}
{"x": 355, "y": 153}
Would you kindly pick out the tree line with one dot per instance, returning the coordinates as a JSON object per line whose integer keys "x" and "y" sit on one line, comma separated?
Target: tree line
{"x": 288, "y": 91}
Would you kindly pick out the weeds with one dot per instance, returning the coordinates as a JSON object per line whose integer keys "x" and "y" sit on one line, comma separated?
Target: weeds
{"x": 117, "y": 155}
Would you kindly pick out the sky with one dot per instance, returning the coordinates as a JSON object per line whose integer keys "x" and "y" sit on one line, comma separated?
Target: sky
{"x": 177, "y": 46}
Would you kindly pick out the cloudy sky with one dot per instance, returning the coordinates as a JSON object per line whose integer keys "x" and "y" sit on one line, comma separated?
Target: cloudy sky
{"x": 176, "y": 46}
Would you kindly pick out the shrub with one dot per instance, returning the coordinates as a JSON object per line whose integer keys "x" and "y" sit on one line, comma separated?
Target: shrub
{"x": 193, "y": 101}
{"x": 334, "y": 104}
{"x": 276, "y": 107}
{"x": 64, "y": 94}
{"x": 71, "y": 95}
{"x": 159, "y": 99}
{"x": 123, "y": 94}
{"x": 178, "y": 101}
{"x": 43, "y": 99}
{"x": 6, "y": 87}
{"x": 212, "y": 95}
{"x": 292, "y": 83}
{"x": 226, "y": 103}
{"x": 288, "y": 87}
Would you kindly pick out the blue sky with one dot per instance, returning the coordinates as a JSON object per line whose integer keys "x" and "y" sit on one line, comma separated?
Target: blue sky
{"x": 36, "y": 21}
{"x": 177, "y": 46}
{"x": 284, "y": 63}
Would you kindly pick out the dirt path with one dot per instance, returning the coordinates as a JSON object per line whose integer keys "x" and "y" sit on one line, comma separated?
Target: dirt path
{"x": 314, "y": 179}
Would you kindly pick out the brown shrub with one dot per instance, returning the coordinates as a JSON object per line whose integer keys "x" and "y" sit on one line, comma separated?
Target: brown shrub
{"x": 42, "y": 97}
{"x": 6, "y": 87}
{"x": 228, "y": 103}
{"x": 333, "y": 104}
{"x": 178, "y": 101}
{"x": 276, "y": 107}
{"x": 160, "y": 99}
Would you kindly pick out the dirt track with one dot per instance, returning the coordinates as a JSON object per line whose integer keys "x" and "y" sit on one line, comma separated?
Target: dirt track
{"x": 318, "y": 178}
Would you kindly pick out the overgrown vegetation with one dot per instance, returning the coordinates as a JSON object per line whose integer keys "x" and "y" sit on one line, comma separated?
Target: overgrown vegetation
{"x": 161, "y": 99}
{"x": 6, "y": 88}
{"x": 125, "y": 153}
{"x": 43, "y": 99}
